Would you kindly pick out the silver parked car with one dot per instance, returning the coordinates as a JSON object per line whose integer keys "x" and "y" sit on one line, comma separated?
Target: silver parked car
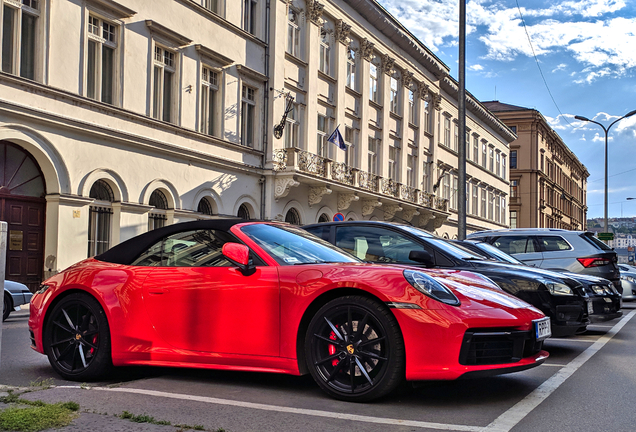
{"x": 15, "y": 295}
{"x": 556, "y": 249}
{"x": 628, "y": 278}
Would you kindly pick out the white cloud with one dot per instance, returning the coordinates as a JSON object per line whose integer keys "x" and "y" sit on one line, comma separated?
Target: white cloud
{"x": 602, "y": 44}
{"x": 560, "y": 67}
{"x": 476, "y": 67}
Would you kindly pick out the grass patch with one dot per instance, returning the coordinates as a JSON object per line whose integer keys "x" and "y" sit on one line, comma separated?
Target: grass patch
{"x": 37, "y": 416}
{"x": 143, "y": 418}
{"x": 46, "y": 383}
{"x": 183, "y": 427}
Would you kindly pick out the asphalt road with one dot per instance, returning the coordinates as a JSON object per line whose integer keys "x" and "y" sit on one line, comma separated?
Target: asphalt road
{"x": 587, "y": 384}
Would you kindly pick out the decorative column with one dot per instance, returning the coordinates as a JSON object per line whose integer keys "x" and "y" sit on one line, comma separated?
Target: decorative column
{"x": 312, "y": 47}
{"x": 340, "y": 66}
{"x": 387, "y": 69}
{"x": 366, "y": 56}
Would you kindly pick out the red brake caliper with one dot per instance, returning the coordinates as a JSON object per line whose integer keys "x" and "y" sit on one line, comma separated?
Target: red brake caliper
{"x": 332, "y": 348}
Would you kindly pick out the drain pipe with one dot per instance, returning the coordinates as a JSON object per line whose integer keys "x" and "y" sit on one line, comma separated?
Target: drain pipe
{"x": 263, "y": 179}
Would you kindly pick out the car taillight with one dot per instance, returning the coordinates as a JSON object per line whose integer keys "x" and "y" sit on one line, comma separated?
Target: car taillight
{"x": 593, "y": 262}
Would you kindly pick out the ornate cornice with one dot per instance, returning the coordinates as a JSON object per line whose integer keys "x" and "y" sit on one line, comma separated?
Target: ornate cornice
{"x": 437, "y": 101}
{"x": 408, "y": 214}
{"x": 366, "y": 49}
{"x": 283, "y": 186}
{"x": 345, "y": 200}
{"x": 407, "y": 79}
{"x": 368, "y": 206}
{"x": 316, "y": 193}
{"x": 315, "y": 9}
{"x": 342, "y": 32}
{"x": 387, "y": 64}
{"x": 390, "y": 210}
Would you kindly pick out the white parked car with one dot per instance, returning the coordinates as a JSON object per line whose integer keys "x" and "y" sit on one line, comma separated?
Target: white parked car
{"x": 628, "y": 279}
{"x": 15, "y": 295}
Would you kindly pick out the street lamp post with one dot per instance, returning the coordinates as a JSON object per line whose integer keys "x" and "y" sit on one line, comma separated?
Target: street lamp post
{"x": 626, "y": 199}
{"x": 606, "y": 130}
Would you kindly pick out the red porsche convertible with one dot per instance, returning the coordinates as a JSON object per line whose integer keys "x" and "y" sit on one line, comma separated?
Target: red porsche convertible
{"x": 270, "y": 297}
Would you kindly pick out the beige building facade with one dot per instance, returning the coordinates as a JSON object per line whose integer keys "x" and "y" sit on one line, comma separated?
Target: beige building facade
{"x": 349, "y": 65}
{"x": 548, "y": 184}
{"x": 117, "y": 117}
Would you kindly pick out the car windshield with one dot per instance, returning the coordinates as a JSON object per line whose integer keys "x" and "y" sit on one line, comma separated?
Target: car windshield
{"x": 290, "y": 245}
{"x": 502, "y": 256}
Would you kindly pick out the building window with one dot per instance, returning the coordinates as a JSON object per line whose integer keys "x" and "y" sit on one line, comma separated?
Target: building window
{"x": 212, "y": 5}
{"x": 18, "y": 38}
{"x": 491, "y": 198}
{"x": 99, "y": 218}
{"x": 395, "y": 152}
{"x": 292, "y": 127}
{"x": 323, "y": 126}
{"x": 412, "y": 107}
{"x": 249, "y": 16}
{"x": 373, "y": 82}
{"x": 394, "y": 98}
{"x": 243, "y": 212}
{"x": 325, "y": 51}
{"x": 373, "y": 151}
{"x": 513, "y": 128}
{"x": 455, "y": 136}
{"x": 483, "y": 202}
{"x": 497, "y": 209}
{"x": 503, "y": 210}
{"x": 205, "y": 207}
{"x": 491, "y": 159}
{"x": 514, "y": 188}
{"x": 447, "y": 131}
{"x": 484, "y": 149}
{"x": 248, "y": 116}
{"x": 157, "y": 217}
{"x": 163, "y": 84}
{"x": 513, "y": 159}
{"x": 293, "y": 33}
{"x": 475, "y": 207}
{"x": 209, "y": 101}
{"x": 446, "y": 192}
{"x": 293, "y": 217}
{"x": 351, "y": 68}
{"x": 100, "y": 60}
{"x": 453, "y": 200}
{"x": 476, "y": 148}
{"x": 504, "y": 170}
{"x": 427, "y": 114}
{"x": 411, "y": 169}
{"x": 350, "y": 151}
{"x": 498, "y": 164}
{"x": 513, "y": 219}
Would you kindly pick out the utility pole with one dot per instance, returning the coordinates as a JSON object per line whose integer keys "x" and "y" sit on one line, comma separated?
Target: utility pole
{"x": 461, "y": 105}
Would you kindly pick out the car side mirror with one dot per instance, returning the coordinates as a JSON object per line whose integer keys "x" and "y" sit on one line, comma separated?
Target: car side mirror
{"x": 422, "y": 257}
{"x": 239, "y": 254}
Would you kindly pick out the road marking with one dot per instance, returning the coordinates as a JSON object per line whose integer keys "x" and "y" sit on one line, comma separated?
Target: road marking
{"x": 573, "y": 340}
{"x": 553, "y": 364}
{"x": 509, "y": 419}
{"x": 289, "y": 410}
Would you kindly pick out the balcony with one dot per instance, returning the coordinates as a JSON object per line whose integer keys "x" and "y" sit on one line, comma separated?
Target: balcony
{"x": 294, "y": 166}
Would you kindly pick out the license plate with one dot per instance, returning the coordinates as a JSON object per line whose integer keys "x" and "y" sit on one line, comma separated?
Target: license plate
{"x": 590, "y": 307}
{"x": 542, "y": 328}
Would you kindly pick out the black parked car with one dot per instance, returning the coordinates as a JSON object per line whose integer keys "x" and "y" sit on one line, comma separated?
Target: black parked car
{"x": 559, "y": 297}
{"x": 604, "y": 300}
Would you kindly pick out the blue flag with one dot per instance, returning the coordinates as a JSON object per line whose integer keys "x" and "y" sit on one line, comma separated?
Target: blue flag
{"x": 336, "y": 138}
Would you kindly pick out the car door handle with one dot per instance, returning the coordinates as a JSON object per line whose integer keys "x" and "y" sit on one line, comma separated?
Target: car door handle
{"x": 157, "y": 290}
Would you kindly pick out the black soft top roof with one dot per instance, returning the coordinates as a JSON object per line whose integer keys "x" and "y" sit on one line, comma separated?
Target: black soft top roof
{"x": 128, "y": 251}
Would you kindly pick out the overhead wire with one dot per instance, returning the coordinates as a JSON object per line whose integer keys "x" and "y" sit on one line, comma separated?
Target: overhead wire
{"x": 538, "y": 65}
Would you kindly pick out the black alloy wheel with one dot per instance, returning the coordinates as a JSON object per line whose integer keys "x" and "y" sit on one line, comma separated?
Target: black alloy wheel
{"x": 7, "y": 307}
{"x": 354, "y": 349}
{"x": 77, "y": 338}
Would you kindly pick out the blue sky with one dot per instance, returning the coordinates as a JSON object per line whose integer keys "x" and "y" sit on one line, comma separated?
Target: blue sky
{"x": 587, "y": 52}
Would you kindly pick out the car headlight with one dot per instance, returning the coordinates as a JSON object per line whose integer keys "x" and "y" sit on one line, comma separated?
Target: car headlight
{"x": 42, "y": 289}
{"x": 558, "y": 288}
{"x": 430, "y": 287}
{"x": 598, "y": 290}
{"x": 631, "y": 279}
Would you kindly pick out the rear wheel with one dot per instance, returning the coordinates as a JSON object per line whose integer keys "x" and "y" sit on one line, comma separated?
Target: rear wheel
{"x": 77, "y": 338}
{"x": 7, "y": 307}
{"x": 354, "y": 349}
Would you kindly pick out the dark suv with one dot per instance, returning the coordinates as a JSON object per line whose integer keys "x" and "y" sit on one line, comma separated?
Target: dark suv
{"x": 557, "y": 249}
{"x": 559, "y": 297}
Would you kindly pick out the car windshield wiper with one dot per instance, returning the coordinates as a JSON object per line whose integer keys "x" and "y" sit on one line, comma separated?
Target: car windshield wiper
{"x": 318, "y": 262}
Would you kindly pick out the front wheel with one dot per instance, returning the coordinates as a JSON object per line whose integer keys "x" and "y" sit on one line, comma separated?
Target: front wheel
{"x": 354, "y": 349}
{"x": 77, "y": 338}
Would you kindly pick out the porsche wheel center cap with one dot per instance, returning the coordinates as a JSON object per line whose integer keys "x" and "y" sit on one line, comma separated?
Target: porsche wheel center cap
{"x": 350, "y": 349}
{"x": 78, "y": 336}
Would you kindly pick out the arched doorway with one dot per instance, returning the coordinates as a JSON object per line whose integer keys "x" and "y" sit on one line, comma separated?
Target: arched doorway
{"x": 22, "y": 206}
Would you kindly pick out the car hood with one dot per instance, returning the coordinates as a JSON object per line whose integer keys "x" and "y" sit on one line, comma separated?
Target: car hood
{"x": 524, "y": 271}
